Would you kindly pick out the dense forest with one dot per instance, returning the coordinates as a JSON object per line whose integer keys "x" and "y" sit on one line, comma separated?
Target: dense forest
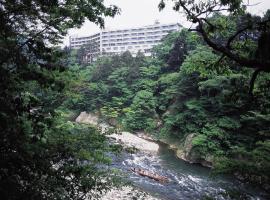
{"x": 205, "y": 91}
{"x": 185, "y": 95}
{"x": 42, "y": 154}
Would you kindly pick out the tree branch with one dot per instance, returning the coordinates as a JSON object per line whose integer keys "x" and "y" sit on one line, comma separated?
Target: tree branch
{"x": 264, "y": 65}
{"x": 252, "y": 81}
{"x": 250, "y": 63}
{"x": 228, "y": 45}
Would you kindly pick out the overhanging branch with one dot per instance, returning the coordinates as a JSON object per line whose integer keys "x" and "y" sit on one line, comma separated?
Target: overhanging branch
{"x": 250, "y": 63}
{"x": 252, "y": 81}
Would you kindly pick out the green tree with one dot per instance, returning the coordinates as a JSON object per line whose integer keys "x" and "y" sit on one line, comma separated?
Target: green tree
{"x": 248, "y": 32}
{"x": 42, "y": 156}
{"x": 140, "y": 114}
{"x": 193, "y": 96}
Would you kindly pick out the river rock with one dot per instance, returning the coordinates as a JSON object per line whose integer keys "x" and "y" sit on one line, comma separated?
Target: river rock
{"x": 132, "y": 140}
{"x": 87, "y": 118}
{"x": 188, "y": 153}
{"x": 125, "y": 138}
{"x": 127, "y": 193}
{"x": 145, "y": 136}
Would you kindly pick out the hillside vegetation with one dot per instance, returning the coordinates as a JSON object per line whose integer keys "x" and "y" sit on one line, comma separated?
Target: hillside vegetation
{"x": 190, "y": 97}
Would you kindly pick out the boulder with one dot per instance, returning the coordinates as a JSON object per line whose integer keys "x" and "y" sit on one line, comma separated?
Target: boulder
{"x": 131, "y": 140}
{"x": 87, "y": 118}
{"x": 188, "y": 153}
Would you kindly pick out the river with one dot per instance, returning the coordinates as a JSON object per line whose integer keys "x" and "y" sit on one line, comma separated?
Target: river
{"x": 187, "y": 181}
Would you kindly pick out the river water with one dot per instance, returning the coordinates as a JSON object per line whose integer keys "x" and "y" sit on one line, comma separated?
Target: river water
{"x": 187, "y": 181}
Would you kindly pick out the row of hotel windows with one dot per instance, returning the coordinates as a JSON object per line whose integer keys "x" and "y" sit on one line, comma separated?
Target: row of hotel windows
{"x": 123, "y": 48}
{"x": 133, "y": 52}
{"x": 127, "y": 43}
{"x": 92, "y": 50}
{"x": 85, "y": 41}
{"x": 85, "y": 38}
{"x": 107, "y": 42}
{"x": 137, "y": 34}
{"x": 134, "y": 38}
{"x": 94, "y": 37}
{"x": 120, "y": 35}
{"x": 116, "y": 40}
{"x": 140, "y": 29}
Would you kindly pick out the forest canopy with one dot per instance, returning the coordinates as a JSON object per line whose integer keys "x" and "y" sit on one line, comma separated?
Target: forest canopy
{"x": 194, "y": 91}
{"x": 232, "y": 36}
{"x": 42, "y": 153}
{"x": 188, "y": 96}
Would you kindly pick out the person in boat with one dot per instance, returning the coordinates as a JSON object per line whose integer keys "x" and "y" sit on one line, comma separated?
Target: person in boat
{"x": 150, "y": 175}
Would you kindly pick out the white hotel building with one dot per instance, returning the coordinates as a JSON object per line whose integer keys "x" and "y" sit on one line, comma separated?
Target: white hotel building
{"x": 111, "y": 42}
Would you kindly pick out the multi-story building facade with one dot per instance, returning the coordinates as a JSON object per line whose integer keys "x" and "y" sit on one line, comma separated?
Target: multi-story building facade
{"x": 111, "y": 42}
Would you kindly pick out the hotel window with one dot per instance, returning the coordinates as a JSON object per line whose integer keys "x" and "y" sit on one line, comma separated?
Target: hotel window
{"x": 147, "y": 50}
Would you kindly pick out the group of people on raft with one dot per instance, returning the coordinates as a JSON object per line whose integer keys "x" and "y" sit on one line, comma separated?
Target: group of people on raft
{"x": 148, "y": 174}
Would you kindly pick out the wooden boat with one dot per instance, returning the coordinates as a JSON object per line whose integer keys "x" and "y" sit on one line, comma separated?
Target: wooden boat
{"x": 151, "y": 175}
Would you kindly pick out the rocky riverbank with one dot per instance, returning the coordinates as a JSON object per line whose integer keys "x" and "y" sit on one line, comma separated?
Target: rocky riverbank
{"x": 187, "y": 181}
{"x": 183, "y": 151}
{"x": 145, "y": 142}
{"x": 186, "y": 152}
{"x": 127, "y": 193}
{"x": 125, "y": 138}
{"x": 131, "y": 140}
{"x": 128, "y": 140}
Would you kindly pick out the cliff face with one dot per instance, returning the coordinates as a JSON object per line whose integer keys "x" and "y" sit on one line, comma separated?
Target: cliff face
{"x": 187, "y": 152}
